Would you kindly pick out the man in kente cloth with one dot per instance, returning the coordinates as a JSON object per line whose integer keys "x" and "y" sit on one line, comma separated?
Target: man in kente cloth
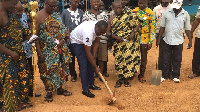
{"x": 13, "y": 65}
{"x": 49, "y": 28}
{"x": 148, "y": 32}
{"x": 124, "y": 27}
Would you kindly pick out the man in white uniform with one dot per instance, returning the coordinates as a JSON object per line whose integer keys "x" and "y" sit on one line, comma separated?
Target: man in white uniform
{"x": 84, "y": 45}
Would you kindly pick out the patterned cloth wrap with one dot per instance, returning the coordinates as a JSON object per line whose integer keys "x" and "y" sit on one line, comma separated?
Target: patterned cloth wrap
{"x": 147, "y": 18}
{"x": 13, "y": 76}
{"x": 127, "y": 53}
{"x": 51, "y": 71}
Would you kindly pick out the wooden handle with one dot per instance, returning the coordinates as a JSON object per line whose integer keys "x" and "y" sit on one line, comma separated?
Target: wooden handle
{"x": 101, "y": 76}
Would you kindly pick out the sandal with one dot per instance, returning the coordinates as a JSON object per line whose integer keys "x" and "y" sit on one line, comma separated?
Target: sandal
{"x": 24, "y": 105}
{"x": 118, "y": 84}
{"x": 127, "y": 84}
{"x": 48, "y": 97}
{"x": 64, "y": 92}
{"x": 192, "y": 76}
{"x": 141, "y": 80}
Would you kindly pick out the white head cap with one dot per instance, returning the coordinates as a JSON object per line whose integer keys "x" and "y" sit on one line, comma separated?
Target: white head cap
{"x": 177, "y": 4}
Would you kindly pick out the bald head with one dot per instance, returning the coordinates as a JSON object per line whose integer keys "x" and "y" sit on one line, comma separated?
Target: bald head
{"x": 19, "y": 10}
{"x": 116, "y": 2}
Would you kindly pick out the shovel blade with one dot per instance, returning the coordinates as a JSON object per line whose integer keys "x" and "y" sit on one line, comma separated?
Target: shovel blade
{"x": 156, "y": 77}
{"x": 113, "y": 100}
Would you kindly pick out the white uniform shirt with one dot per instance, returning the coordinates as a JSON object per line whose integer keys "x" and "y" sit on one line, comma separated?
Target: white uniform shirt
{"x": 174, "y": 26}
{"x": 84, "y": 33}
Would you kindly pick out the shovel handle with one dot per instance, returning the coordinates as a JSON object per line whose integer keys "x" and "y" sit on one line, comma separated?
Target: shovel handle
{"x": 103, "y": 79}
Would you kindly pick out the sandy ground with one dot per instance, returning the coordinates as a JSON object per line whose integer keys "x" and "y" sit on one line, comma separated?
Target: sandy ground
{"x": 141, "y": 97}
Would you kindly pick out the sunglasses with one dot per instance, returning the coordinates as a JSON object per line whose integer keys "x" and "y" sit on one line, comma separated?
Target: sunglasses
{"x": 54, "y": 7}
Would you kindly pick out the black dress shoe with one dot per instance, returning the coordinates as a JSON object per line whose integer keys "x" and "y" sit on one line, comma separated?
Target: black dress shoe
{"x": 93, "y": 87}
{"x": 95, "y": 75}
{"x": 36, "y": 95}
{"x": 101, "y": 79}
{"x": 88, "y": 94}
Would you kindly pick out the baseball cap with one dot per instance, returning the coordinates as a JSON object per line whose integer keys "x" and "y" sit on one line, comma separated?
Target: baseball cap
{"x": 177, "y": 4}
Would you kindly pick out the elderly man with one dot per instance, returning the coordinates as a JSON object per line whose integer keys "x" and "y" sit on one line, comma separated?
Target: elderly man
{"x": 13, "y": 64}
{"x": 84, "y": 44}
{"x": 173, "y": 23}
{"x": 72, "y": 17}
{"x": 147, "y": 18}
{"x": 53, "y": 53}
{"x": 123, "y": 29}
{"x": 196, "y": 54}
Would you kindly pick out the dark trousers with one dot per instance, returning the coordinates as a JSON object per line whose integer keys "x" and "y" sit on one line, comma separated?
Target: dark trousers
{"x": 105, "y": 67}
{"x": 72, "y": 64}
{"x": 196, "y": 57}
{"x": 160, "y": 58}
{"x": 143, "y": 49}
{"x": 174, "y": 51}
{"x": 86, "y": 69}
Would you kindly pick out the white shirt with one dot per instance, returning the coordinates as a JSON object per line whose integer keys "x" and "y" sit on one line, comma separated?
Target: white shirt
{"x": 174, "y": 26}
{"x": 159, "y": 10}
{"x": 84, "y": 33}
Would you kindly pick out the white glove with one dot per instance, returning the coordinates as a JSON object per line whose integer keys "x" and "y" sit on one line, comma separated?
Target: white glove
{"x": 34, "y": 37}
{"x": 57, "y": 41}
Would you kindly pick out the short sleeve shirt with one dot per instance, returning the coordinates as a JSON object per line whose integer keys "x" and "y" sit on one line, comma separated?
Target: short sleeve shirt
{"x": 174, "y": 26}
{"x": 198, "y": 29}
{"x": 84, "y": 33}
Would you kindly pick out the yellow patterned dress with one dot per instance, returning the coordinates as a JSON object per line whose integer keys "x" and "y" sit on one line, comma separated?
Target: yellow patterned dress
{"x": 127, "y": 53}
{"x": 51, "y": 71}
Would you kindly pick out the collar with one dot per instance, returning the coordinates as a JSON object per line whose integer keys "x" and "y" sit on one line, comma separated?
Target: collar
{"x": 182, "y": 11}
{"x": 89, "y": 12}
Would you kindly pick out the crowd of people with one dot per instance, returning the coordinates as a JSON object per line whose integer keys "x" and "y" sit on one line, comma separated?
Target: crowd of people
{"x": 87, "y": 36}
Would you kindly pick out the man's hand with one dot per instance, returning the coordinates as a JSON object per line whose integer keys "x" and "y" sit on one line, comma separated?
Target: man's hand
{"x": 97, "y": 70}
{"x": 61, "y": 43}
{"x": 120, "y": 39}
{"x": 131, "y": 36}
{"x": 15, "y": 56}
{"x": 41, "y": 58}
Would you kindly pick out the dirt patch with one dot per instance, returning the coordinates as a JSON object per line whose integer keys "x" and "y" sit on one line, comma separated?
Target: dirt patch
{"x": 167, "y": 97}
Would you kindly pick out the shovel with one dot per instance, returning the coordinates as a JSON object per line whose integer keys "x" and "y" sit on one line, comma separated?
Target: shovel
{"x": 156, "y": 75}
{"x": 112, "y": 95}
